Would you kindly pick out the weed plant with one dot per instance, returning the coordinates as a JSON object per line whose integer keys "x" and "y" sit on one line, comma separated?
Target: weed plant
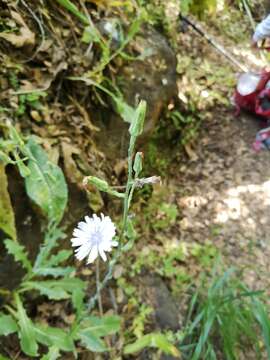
{"x": 226, "y": 318}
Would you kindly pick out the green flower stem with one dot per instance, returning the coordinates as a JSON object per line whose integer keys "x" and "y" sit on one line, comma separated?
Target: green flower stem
{"x": 128, "y": 195}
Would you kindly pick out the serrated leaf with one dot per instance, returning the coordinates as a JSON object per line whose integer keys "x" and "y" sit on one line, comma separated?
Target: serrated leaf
{"x": 26, "y": 330}
{"x": 7, "y": 325}
{"x": 7, "y": 219}
{"x": 54, "y": 271}
{"x": 60, "y": 257}
{"x": 51, "y": 336}
{"x": 51, "y": 239}
{"x": 53, "y": 354}
{"x": 19, "y": 253}
{"x": 46, "y": 184}
{"x": 158, "y": 341}
{"x": 52, "y": 291}
{"x": 57, "y": 289}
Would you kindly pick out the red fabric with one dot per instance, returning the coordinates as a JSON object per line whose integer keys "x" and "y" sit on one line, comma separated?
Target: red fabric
{"x": 252, "y": 102}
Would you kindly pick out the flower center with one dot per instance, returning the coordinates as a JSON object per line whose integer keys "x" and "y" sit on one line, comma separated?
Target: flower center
{"x": 96, "y": 237}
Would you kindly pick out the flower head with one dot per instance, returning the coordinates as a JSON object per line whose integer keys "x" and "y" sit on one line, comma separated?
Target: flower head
{"x": 93, "y": 237}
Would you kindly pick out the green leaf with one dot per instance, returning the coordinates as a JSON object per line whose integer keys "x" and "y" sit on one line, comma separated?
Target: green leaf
{"x": 5, "y": 158}
{"x": 4, "y": 358}
{"x": 126, "y": 111}
{"x": 77, "y": 300}
{"x": 19, "y": 253}
{"x": 90, "y": 34}
{"x": 137, "y": 167}
{"x": 46, "y": 184}
{"x": 23, "y": 169}
{"x": 7, "y": 219}
{"x": 51, "y": 239}
{"x": 102, "y": 185}
{"x": 51, "y": 336}
{"x": 60, "y": 257}
{"x": 7, "y": 325}
{"x": 52, "y": 291}
{"x": 26, "y": 330}
{"x": 15, "y": 137}
{"x": 92, "y": 328}
{"x": 53, "y": 354}
{"x": 54, "y": 271}
{"x": 131, "y": 235}
{"x": 57, "y": 289}
{"x": 158, "y": 341}
{"x": 136, "y": 127}
{"x": 67, "y": 4}
{"x": 262, "y": 317}
{"x": 103, "y": 326}
{"x": 91, "y": 342}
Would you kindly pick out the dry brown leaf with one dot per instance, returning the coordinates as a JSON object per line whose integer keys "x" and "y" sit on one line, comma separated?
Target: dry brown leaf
{"x": 190, "y": 152}
{"x": 25, "y": 37}
{"x": 71, "y": 170}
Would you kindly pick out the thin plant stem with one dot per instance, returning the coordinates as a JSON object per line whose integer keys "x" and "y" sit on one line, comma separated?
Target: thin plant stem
{"x": 126, "y": 204}
{"x": 98, "y": 288}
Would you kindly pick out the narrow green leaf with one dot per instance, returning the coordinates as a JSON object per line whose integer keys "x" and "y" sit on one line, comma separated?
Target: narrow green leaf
{"x": 46, "y": 184}
{"x": 137, "y": 166}
{"x": 126, "y": 111}
{"x": 26, "y": 330}
{"x": 19, "y": 253}
{"x": 77, "y": 300}
{"x": 67, "y": 4}
{"x": 23, "y": 169}
{"x": 15, "y": 137}
{"x": 7, "y": 219}
{"x": 136, "y": 127}
{"x": 7, "y": 325}
{"x": 102, "y": 185}
{"x": 264, "y": 321}
{"x": 51, "y": 336}
{"x": 4, "y": 158}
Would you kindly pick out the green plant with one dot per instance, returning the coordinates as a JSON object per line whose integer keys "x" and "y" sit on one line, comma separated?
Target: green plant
{"x": 91, "y": 35}
{"x": 45, "y": 185}
{"x": 225, "y": 316}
